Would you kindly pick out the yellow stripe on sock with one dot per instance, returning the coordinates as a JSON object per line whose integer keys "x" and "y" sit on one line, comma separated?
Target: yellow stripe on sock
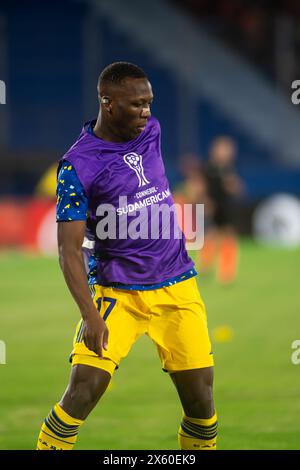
{"x": 49, "y": 440}
{"x": 52, "y": 424}
{"x": 65, "y": 417}
{"x": 202, "y": 421}
{"x": 198, "y": 433}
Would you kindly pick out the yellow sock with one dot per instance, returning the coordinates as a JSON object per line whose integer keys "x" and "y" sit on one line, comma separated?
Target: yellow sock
{"x": 59, "y": 431}
{"x": 198, "y": 434}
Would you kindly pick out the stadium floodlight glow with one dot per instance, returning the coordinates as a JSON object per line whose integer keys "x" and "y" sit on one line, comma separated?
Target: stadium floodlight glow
{"x": 2, "y": 92}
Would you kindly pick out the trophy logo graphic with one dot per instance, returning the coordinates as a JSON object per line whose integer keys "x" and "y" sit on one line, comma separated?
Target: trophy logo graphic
{"x": 135, "y": 162}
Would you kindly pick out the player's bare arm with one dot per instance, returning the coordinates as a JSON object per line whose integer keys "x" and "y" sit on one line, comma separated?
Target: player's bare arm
{"x": 70, "y": 238}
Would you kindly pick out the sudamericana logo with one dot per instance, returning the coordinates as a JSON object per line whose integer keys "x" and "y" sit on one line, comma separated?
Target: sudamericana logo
{"x": 135, "y": 162}
{"x": 2, "y": 92}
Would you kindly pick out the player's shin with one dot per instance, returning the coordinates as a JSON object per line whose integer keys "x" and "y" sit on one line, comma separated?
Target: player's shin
{"x": 59, "y": 431}
{"x": 198, "y": 434}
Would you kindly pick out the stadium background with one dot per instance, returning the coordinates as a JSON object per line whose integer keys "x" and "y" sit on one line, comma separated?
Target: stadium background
{"x": 225, "y": 69}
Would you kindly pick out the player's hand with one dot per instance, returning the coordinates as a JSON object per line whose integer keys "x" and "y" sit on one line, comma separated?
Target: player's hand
{"x": 95, "y": 334}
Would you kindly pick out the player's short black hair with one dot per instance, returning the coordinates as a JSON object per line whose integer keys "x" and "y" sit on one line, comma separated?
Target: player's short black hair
{"x": 118, "y": 71}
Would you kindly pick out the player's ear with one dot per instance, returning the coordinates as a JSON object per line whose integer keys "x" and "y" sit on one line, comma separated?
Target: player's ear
{"x": 105, "y": 102}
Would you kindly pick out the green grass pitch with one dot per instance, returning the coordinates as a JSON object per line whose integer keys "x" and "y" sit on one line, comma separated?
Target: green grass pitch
{"x": 256, "y": 384}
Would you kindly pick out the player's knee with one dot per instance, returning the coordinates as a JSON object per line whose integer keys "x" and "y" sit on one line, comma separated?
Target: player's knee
{"x": 199, "y": 404}
{"x": 201, "y": 394}
{"x": 83, "y": 393}
{"x": 206, "y": 393}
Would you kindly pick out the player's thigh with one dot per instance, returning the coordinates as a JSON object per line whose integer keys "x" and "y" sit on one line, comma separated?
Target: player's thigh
{"x": 120, "y": 311}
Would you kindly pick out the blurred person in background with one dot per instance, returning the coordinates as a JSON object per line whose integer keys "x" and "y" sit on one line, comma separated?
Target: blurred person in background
{"x": 225, "y": 189}
{"x": 193, "y": 190}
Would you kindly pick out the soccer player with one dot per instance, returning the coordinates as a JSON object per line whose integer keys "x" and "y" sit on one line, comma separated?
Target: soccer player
{"x": 225, "y": 189}
{"x": 139, "y": 285}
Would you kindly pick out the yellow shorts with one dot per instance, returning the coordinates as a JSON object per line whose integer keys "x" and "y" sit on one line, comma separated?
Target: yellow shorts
{"x": 173, "y": 317}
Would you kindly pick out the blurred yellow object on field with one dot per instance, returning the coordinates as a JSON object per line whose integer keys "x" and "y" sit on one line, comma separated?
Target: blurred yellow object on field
{"x": 46, "y": 187}
{"x": 222, "y": 334}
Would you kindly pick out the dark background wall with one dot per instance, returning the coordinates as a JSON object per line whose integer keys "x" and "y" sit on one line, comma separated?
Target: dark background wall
{"x": 52, "y": 54}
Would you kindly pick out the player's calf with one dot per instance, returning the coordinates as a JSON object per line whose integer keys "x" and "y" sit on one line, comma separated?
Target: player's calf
{"x": 60, "y": 428}
{"x": 198, "y": 428}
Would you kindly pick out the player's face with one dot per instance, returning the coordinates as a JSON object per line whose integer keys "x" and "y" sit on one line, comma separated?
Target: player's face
{"x": 130, "y": 107}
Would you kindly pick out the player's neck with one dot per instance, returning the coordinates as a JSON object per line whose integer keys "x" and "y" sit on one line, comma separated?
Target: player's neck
{"x": 105, "y": 132}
